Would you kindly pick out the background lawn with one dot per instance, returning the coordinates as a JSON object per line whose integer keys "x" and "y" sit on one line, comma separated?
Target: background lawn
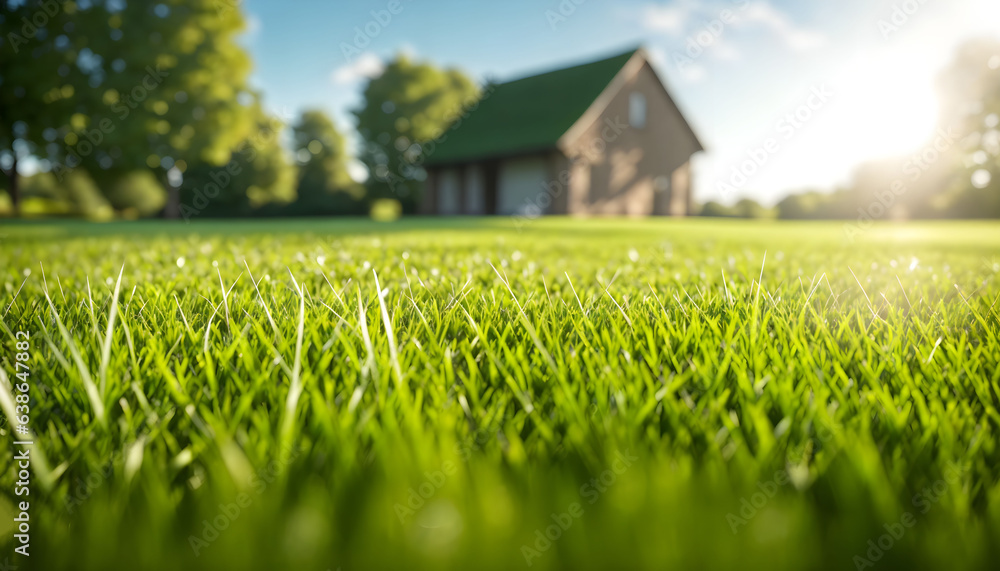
{"x": 650, "y": 394}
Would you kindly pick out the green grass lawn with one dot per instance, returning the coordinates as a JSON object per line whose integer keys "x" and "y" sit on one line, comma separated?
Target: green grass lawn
{"x": 627, "y": 394}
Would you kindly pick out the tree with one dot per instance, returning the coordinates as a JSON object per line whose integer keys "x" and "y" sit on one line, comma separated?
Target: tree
{"x": 409, "y": 104}
{"x": 324, "y": 186}
{"x": 84, "y": 196}
{"x": 185, "y": 94}
{"x": 126, "y": 85}
{"x": 42, "y": 194}
{"x": 40, "y": 73}
{"x": 713, "y": 209}
{"x": 76, "y": 195}
{"x": 258, "y": 172}
{"x": 137, "y": 193}
{"x": 121, "y": 86}
{"x": 970, "y": 93}
{"x": 744, "y": 208}
{"x": 809, "y": 205}
{"x": 750, "y": 208}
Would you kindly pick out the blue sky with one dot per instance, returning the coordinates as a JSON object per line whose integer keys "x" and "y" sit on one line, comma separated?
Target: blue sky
{"x": 875, "y": 61}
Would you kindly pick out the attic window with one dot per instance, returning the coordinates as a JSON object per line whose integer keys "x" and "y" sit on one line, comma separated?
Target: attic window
{"x": 637, "y": 110}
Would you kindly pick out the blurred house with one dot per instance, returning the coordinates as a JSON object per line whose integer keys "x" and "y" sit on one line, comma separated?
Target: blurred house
{"x": 603, "y": 138}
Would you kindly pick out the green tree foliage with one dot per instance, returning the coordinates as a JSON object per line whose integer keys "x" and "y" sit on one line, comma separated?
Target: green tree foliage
{"x": 970, "y": 92}
{"x": 137, "y": 193}
{"x": 181, "y": 87}
{"x": 76, "y": 195}
{"x": 810, "y": 205}
{"x": 410, "y": 103}
{"x": 324, "y": 186}
{"x": 257, "y": 173}
{"x": 41, "y": 193}
{"x": 745, "y": 208}
{"x": 121, "y": 85}
{"x": 85, "y": 196}
{"x": 39, "y": 76}
{"x": 749, "y": 208}
{"x": 713, "y": 209}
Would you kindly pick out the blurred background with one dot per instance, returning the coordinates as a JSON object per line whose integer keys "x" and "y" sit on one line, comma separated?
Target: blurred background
{"x": 116, "y": 109}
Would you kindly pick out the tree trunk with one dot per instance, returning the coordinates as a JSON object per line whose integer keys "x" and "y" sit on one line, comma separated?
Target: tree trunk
{"x": 172, "y": 210}
{"x": 14, "y": 190}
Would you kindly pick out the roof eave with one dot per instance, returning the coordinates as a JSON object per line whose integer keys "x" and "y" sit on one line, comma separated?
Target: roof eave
{"x": 450, "y": 163}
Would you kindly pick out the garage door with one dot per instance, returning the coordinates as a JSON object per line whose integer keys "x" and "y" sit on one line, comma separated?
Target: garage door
{"x": 521, "y": 185}
{"x": 475, "y": 186}
{"x": 449, "y": 188}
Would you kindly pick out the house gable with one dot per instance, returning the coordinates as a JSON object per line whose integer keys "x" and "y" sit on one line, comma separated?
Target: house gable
{"x": 631, "y": 169}
{"x": 637, "y": 64}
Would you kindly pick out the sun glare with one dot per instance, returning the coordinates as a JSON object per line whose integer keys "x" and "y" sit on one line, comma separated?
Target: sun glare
{"x": 890, "y": 108}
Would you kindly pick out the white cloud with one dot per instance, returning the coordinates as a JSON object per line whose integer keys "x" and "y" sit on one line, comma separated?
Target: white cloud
{"x": 672, "y": 18}
{"x": 368, "y": 65}
{"x": 688, "y": 18}
{"x": 799, "y": 39}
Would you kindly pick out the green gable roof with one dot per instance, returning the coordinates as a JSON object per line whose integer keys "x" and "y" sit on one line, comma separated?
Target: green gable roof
{"x": 528, "y": 114}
